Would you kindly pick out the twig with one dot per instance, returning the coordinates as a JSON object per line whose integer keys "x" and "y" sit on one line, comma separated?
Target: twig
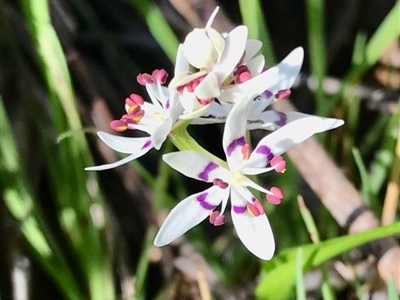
{"x": 328, "y": 182}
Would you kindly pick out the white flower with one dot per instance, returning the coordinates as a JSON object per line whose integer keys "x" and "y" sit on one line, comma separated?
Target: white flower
{"x": 215, "y": 57}
{"x": 249, "y": 219}
{"x": 156, "y": 119}
{"x": 258, "y": 118}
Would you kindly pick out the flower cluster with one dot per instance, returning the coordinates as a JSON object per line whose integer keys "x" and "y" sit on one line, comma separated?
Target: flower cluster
{"x": 220, "y": 79}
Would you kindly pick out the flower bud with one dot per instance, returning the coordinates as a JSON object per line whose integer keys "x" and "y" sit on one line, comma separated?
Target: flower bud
{"x": 203, "y": 47}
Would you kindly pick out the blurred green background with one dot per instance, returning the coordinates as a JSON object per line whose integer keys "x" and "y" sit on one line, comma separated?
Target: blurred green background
{"x": 66, "y": 67}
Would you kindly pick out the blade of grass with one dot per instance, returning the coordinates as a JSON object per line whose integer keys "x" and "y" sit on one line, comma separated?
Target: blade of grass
{"x": 253, "y": 18}
{"x": 69, "y": 185}
{"x": 365, "y": 180}
{"x": 158, "y": 27}
{"x": 317, "y": 51}
{"x": 300, "y": 289}
{"x": 20, "y": 202}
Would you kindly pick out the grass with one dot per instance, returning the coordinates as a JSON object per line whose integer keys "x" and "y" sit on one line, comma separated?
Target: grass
{"x": 86, "y": 243}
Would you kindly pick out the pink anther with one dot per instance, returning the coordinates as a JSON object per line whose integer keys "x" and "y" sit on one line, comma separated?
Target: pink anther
{"x": 144, "y": 79}
{"x": 246, "y": 151}
{"x": 220, "y": 183}
{"x": 118, "y": 125}
{"x": 279, "y": 164}
{"x": 137, "y": 99}
{"x": 159, "y": 76}
{"x": 243, "y": 77}
{"x": 283, "y": 94}
{"x": 216, "y": 218}
{"x": 275, "y": 197}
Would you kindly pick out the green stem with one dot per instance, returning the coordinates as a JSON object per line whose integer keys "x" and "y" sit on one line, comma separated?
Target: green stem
{"x": 183, "y": 141}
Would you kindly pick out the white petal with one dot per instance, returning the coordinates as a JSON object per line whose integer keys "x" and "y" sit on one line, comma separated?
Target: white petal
{"x": 184, "y": 78}
{"x": 188, "y": 213}
{"x": 208, "y": 88}
{"x": 196, "y": 165}
{"x": 121, "y": 144}
{"x": 287, "y": 137}
{"x": 289, "y": 68}
{"x": 252, "y": 47}
{"x": 254, "y": 232}
{"x": 199, "y": 50}
{"x": 215, "y": 114}
{"x": 123, "y": 161}
{"x": 212, "y": 17}
{"x": 235, "y": 44}
{"x": 195, "y": 113}
{"x": 152, "y": 90}
{"x": 161, "y": 134}
{"x": 251, "y": 88}
{"x": 256, "y": 65}
{"x": 182, "y": 64}
{"x": 234, "y": 133}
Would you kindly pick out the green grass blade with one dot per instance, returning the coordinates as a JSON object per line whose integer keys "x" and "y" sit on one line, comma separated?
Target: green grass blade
{"x": 253, "y": 18}
{"x": 317, "y": 51}
{"x": 300, "y": 288}
{"x": 158, "y": 27}
{"x": 279, "y": 274}
{"x": 365, "y": 180}
{"x": 392, "y": 290}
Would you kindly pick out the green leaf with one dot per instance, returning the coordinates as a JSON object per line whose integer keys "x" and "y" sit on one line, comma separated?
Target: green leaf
{"x": 392, "y": 290}
{"x": 279, "y": 274}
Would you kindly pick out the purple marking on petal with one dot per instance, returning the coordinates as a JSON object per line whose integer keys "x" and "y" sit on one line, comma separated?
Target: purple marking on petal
{"x": 207, "y": 170}
{"x": 264, "y": 149}
{"x": 234, "y": 144}
{"x": 239, "y": 209}
{"x": 202, "y": 200}
{"x": 147, "y": 144}
{"x": 267, "y": 94}
{"x": 282, "y": 119}
{"x": 258, "y": 121}
{"x": 167, "y": 104}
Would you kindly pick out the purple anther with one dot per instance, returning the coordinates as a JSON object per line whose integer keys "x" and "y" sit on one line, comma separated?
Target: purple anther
{"x": 220, "y": 183}
{"x": 216, "y": 218}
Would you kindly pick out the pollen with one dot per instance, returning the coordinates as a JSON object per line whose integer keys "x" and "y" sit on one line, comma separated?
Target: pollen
{"x": 237, "y": 178}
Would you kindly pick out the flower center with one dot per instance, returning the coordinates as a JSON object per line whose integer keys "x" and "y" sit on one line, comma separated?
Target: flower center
{"x": 237, "y": 178}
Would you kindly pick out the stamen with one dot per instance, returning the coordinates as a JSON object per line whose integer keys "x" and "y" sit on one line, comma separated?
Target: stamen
{"x": 216, "y": 218}
{"x": 220, "y": 183}
{"x": 243, "y": 77}
{"x": 144, "y": 79}
{"x": 118, "y": 125}
{"x": 246, "y": 151}
{"x": 283, "y": 94}
{"x": 256, "y": 208}
{"x": 137, "y": 99}
{"x": 159, "y": 76}
{"x": 279, "y": 164}
{"x": 275, "y": 197}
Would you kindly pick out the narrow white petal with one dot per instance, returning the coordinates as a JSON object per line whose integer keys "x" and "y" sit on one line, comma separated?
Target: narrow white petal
{"x": 121, "y": 144}
{"x": 251, "y": 88}
{"x": 195, "y": 113}
{"x": 182, "y": 64}
{"x": 196, "y": 165}
{"x": 287, "y": 137}
{"x": 212, "y": 17}
{"x": 254, "y": 232}
{"x": 152, "y": 90}
{"x": 278, "y": 119}
{"x": 235, "y": 44}
{"x": 121, "y": 162}
{"x": 289, "y": 68}
{"x": 208, "y": 88}
{"x": 234, "y": 133}
{"x": 256, "y": 65}
{"x": 252, "y": 47}
{"x": 215, "y": 114}
{"x": 161, "y": 134}
{"x": 187, "y": 214}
